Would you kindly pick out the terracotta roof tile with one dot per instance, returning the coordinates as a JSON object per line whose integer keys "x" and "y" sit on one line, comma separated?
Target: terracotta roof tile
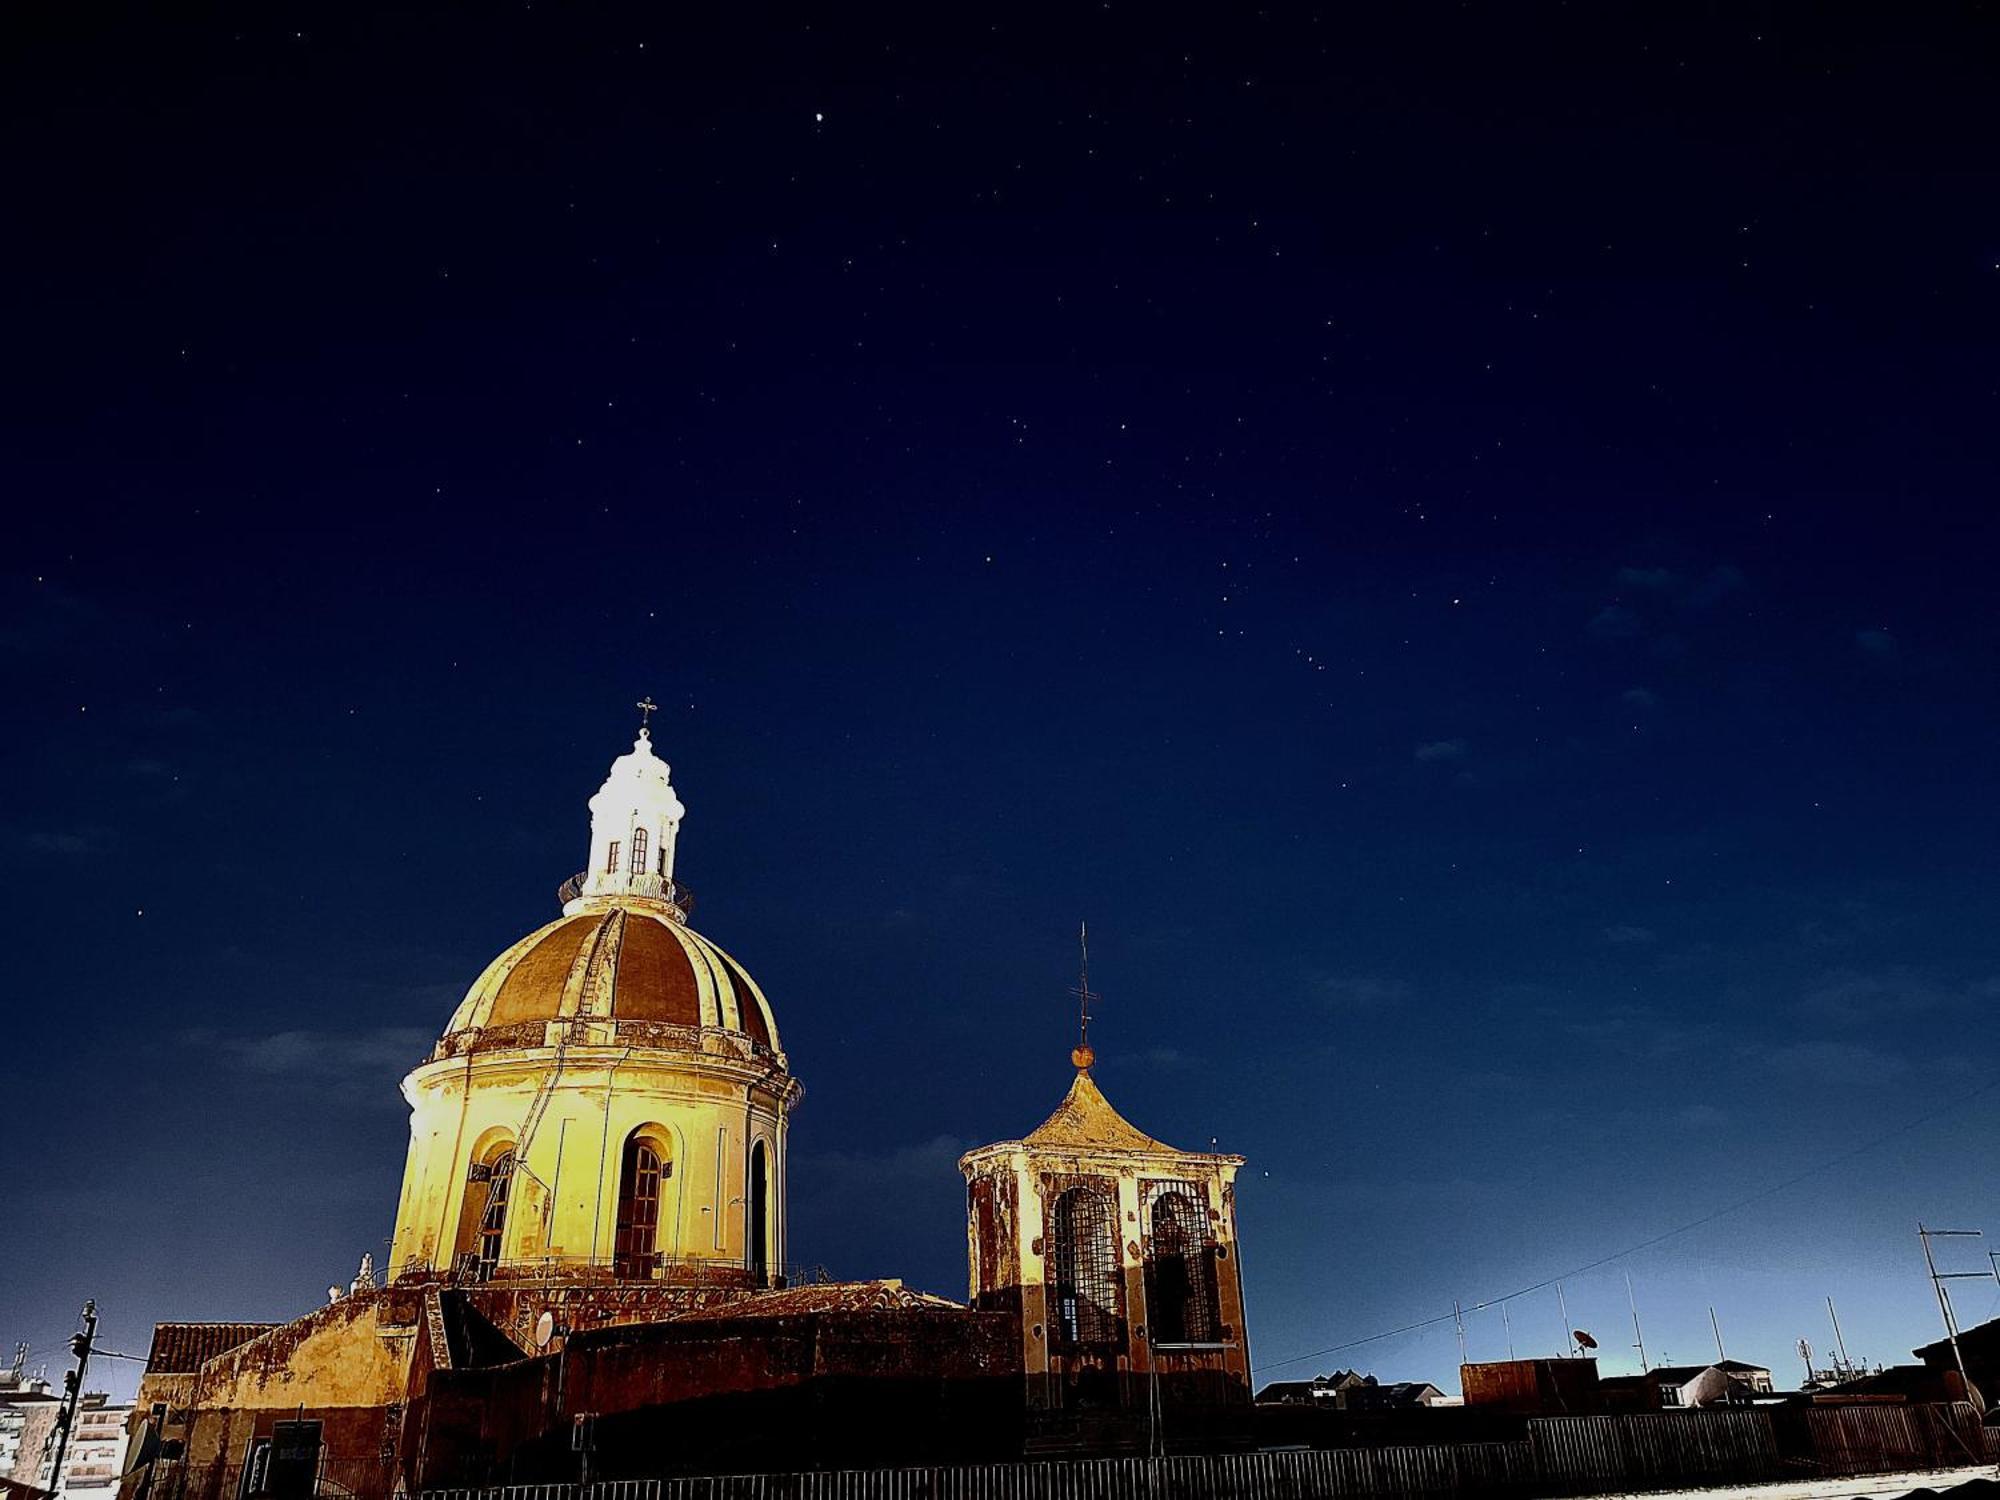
{"x": 182, "y": 1348}
{"x": 839, "y": 1296}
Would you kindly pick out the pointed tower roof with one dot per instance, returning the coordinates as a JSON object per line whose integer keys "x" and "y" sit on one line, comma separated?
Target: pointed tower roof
{"x": 1085, "y": 1118}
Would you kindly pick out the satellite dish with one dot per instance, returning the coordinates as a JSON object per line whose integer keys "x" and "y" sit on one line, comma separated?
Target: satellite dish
{"x": 1583, "y": 1338}
{"x": 545, "y": 1329}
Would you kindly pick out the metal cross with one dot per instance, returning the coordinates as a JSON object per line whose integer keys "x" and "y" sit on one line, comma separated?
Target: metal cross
{"x": 1083, "y": 992}
{"x": 647, "y": 708}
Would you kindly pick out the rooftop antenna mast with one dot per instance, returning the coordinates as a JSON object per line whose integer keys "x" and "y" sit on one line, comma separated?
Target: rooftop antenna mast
{"x": 1845, "y": 1367}
{"x": 1638, "y": 1338}
{"x": 1718, "y": 1332}
{"x": 1569, "y": 1335}
{"x": 1083, "y": 1057}
{"x": 1939, "y": 1278}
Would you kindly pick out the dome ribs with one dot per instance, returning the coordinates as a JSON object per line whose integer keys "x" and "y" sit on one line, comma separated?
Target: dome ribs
{"x": 596, "y": 977}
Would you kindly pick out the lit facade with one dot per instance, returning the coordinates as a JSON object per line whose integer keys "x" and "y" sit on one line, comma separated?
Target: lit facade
{"x": 1118, "y": 1254}
{"x": 610, "y": 1100}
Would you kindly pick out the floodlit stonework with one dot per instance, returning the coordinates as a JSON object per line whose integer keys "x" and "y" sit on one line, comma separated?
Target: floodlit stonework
{"x": 1118, "y": 1254}
{"x": 610, "y": 1099}
{"x": 588, "y": 1268}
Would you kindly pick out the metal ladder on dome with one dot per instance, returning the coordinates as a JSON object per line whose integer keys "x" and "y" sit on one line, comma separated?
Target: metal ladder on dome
{"x": 611, "y": 935}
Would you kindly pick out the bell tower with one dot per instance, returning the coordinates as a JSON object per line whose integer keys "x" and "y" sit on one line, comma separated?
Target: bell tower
{"x": 1116, "y": 1251}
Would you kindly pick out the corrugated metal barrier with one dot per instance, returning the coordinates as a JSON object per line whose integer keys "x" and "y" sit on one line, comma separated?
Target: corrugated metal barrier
{"x": 1655, "y": 1450}
{"x": 1562, "y": 1455}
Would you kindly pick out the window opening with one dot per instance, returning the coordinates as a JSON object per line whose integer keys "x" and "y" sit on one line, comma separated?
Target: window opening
{"x": 611, "y": 859}
{"x": 1182, "y": 1306}
{"x": 760, "y": 1268}
{"x": 638, "y": 851}
{"x": 493, "y": 1222}
{"x": 638, "y": 1210}
{"x": 1083, "y": 1269}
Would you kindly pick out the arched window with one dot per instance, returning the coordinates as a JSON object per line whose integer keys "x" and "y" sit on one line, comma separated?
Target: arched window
{"x": 1181, "y": 1301}
{"x": 493, "y": 1219}
{"x": 758, "y": 1208}
{"x": 1083, "y": 1270}
{"x": 638, "y": 851}
{"x": 641, "y": 1187}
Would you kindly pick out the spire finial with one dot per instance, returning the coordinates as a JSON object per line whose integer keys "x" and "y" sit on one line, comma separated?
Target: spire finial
{"x": 1083, "y": 1056}
{"x": 647, "y": 708}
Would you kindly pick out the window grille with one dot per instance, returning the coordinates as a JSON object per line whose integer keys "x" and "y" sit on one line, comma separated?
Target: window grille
{"x": 1083, "y": 1270}
{"x": 493, "y": 1221}
{"x": 638, "y": 851}
{"x": 638, "y": 1209}
{"x": 1182, "y": 1304}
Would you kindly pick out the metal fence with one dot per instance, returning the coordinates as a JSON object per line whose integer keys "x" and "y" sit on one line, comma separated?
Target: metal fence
{"x": 1561, "y": 1455}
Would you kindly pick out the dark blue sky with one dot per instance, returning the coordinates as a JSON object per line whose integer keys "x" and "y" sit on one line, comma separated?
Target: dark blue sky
{"x": 1461, "y": 541}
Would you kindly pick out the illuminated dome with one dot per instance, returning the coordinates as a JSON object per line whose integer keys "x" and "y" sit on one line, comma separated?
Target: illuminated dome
{"x": 609, "y": 1101}
{"x": 635, "y": 964}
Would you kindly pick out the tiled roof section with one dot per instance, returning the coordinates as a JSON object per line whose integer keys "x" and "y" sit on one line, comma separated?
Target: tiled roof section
{"x": 839, "y": 1296}
{"x": 1085, "y": 1118}
{"x": 183, "y": 1348}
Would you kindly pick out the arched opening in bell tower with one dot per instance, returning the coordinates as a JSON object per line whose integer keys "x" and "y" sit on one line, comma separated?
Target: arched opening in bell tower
{"x": 1181, "y": 1301}
{"x": 1083, "y": 1270}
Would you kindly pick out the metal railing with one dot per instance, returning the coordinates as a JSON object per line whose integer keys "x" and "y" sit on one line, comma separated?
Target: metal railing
{"x": 654, "y": 887}
{"x": 657, "y": 1267}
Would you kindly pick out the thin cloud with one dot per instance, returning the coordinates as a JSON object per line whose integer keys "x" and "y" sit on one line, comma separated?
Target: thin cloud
{"x": 1360, "y": 992}
{"x": 1877, "y": 646}
{"x": 1824, "y": 1061}
{"x": 360, "y": 1065}
{"x": 1436, "y": 752}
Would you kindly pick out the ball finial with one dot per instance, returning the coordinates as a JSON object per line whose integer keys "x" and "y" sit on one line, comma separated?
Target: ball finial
{"x": 1083, "y": 1057}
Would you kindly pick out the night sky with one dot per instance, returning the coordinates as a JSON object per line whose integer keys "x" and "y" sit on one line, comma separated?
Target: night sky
{"x": 1461, "y": 539}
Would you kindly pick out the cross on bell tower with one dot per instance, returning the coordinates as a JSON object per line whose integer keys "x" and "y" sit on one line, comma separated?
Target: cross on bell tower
{"x": 1083, "y": 1056}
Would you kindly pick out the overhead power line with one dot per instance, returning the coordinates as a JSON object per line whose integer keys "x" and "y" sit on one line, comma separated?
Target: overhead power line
{"x": 1949, "y": 1107}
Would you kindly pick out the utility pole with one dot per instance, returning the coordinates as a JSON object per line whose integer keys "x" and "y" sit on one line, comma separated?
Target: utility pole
{"x": 1508, "y": 1324}
{"x": 1638, "y": 1337}
{"x": 1458, "y": 1317}
{"x": 1569, "y": 1334}
{"x": 1718, "y": 1332}
{"x": 80, "y": 1345}
{"x": 1939, "y": 1278}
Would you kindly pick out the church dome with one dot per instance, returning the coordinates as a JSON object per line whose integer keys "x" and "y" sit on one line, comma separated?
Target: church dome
{"x": 659, "y": 983}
